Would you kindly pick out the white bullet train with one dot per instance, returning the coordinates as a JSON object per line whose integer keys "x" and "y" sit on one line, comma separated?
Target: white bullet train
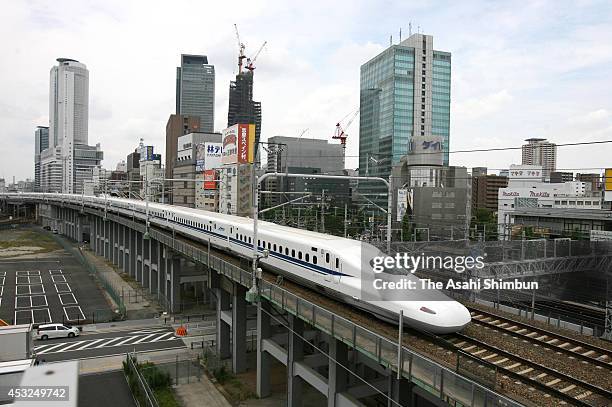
{"x": 325, "y": 263}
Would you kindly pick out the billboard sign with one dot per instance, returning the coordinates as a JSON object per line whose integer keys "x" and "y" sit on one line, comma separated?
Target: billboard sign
{"x": 208, "y": 156}
{"x": 608, "y": 179}
{"x": 404, "y": 202}
{"x": 209, "y": 179}
{"x": 238, "y": 144}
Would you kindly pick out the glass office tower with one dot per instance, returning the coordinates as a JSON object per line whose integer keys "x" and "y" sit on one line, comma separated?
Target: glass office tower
{"x": 404, "y": 91}
{"x": 195, "y": 90}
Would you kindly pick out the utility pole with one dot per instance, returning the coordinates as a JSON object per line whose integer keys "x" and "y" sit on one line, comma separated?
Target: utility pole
{"x": 323, "y": 211}
{"x": 345, "y": 221}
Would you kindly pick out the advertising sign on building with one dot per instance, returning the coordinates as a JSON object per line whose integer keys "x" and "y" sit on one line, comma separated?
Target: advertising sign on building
{"x": 608, "y": 179}
{"x": 209, "y": 179}
{"x": 208, "y": 156}
{"x": 404, "y": 202}
{"x": 238, "y": 144}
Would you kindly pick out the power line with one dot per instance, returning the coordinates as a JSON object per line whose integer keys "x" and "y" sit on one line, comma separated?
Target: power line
{"x": 479, "y": 150}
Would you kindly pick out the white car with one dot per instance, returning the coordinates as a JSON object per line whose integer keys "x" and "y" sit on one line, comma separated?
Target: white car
{"x": 50, "y": 331}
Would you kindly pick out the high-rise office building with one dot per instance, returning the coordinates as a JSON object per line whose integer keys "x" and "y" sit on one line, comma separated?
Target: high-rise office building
{"x": 539, "y": 151}
{"x": 195, "y": 90}
{"x": 242, "y": 108}
{"x": 404, "y": 92}
{"x": 68, "y": 129}
{"x": 41, "y": 143}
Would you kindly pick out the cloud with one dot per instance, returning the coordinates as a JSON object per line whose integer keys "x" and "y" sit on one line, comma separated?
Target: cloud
{"x": 519, "y": 69}
{"x": 476, "y": 108}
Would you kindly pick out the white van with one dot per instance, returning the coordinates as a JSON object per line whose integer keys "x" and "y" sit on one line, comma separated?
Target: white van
{"x": 50, "y": 331}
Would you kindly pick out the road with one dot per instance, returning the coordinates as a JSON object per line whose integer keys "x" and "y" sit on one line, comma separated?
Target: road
{"x": 107, "y": 343}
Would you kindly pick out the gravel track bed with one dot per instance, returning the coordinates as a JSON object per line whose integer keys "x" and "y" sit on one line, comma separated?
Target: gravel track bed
{"x": 544, "y": 326}
{"x": 542, "y": 356}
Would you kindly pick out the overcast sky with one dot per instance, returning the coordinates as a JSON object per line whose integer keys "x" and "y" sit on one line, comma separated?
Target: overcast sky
{"x": 519, "y": 69}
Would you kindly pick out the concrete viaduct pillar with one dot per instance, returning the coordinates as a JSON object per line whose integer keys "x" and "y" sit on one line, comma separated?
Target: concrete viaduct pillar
{"x": 154, "y": 266}
{"x": 146, "y": 262}
{"x": 239, "y": 329}
{"x": 263, "y": 358}
{"x": 171, "y": 280}
{"x": 295, "y": 353}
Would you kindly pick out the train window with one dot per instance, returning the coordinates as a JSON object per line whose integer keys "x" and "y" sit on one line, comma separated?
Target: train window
{"x": 280, "y": 249}
{"x": 326, "y": 257}
{"x": 269, "y": 246}
{"x": 258, "y": 242}
{"x": 286, "y": 251}
{"x": 274, "y": 247}
{"x": 307, "y": 257}
{"x": 292, "y": 252}
{"x": 337, "y": 263}
{"x": 314, "y": 259}
{"x": 300, "y": 255}
{"x": 314, "y": 249}
{"x": 250, "y": 240}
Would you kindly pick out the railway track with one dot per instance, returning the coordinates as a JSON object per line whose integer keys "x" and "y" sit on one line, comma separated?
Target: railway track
{"x": 574, "y": 348}
{"x": 521, "y": 371}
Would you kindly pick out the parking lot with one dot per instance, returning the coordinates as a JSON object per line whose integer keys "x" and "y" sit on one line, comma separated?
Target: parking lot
{"x": 56, "y": 289}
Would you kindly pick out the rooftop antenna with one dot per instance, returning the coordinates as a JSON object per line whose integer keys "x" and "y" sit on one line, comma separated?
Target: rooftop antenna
{"x": 418, "y": 29}
{"x": 390, "y": 40}
{"x": 400, "y": 40}
{"x": 410, "y": 28}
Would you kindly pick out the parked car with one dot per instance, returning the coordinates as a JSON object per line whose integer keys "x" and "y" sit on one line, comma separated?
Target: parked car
{"x": 50, "y": 331}
{"x": 47, "y": 227}
{"x": 55, "y": 231}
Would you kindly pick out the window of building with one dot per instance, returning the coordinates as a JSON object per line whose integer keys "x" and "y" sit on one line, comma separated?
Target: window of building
{"x": 423, "y": 73}
{"x": 423, "y": 66}
{"x": 423, "y": 106}
{"x": 423, "y": 93}
{"x": 580, "y": 203}
{"x": 422, "y": 127}
{"x": 422, "y": 87}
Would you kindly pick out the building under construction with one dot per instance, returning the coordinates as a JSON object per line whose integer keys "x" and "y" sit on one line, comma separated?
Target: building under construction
{"x": 242, "y": 108}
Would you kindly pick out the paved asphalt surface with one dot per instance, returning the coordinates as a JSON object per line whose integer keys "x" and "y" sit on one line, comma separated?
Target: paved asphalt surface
{"x": 104, "y": 390}
{"x": 109, "y": 343}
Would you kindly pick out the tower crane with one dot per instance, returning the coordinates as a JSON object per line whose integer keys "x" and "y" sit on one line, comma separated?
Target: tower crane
{"x": 241, "y": 47}
{"x": 340, "y": 133}
{"x": 250, "y": 61}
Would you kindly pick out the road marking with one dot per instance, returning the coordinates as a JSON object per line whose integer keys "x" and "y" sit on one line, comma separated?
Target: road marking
{"x": 143, "y": 339}
{"x": 129, "y": 338}
{"x": 72, "y": 345}
{"x": 164, "y": 335}
{"x": 51, "y": 348}
{"x": 87, "y": 345}
{"x": 149, "y": 331}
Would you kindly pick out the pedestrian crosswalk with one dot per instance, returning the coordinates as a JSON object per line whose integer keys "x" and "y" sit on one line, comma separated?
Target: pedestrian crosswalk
{"x": 88, "y": 344}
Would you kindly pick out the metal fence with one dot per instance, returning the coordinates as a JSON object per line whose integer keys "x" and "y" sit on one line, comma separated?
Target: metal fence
{"x": 182, "y": 370}
{"x": 141, "y": 390}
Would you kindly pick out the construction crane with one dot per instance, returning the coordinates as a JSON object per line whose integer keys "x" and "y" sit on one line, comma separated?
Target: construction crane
{"x": 241, "y": 47}
{"x": 250, "y": 61}
{"x": 340, "y": 133}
